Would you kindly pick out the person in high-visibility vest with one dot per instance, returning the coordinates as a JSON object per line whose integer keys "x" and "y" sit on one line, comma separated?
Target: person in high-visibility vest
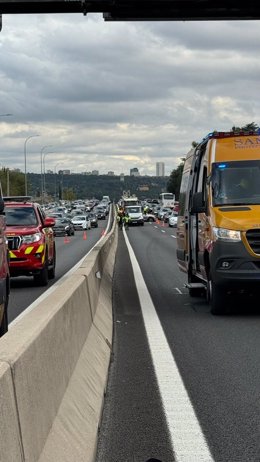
{"x": 120, "y": 217}
{"x": 126, "y": 220}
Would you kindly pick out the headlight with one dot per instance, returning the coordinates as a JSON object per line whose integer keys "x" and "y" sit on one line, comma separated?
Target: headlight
{"x": 227, "y": 234}
{"x": 30, "y": 238}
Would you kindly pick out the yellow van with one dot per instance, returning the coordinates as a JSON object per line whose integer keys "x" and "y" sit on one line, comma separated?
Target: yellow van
{"x": 218, "y": 228}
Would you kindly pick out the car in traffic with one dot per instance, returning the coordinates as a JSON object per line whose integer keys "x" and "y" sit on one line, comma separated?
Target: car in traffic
{"x": 101, "y": 213}
{"x": 81, "y": 222}
{"x": 172, "y": 220}
{"x": 93, "y": 220}
{"x": 150, "y": 217}
{"x": 163, "y": 211}
{"x": 31, "y": 240}
{"x": 63, "y": 227}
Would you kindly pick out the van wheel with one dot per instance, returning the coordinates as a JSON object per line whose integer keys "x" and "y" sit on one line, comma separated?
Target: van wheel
{"x": 217, "y": 298}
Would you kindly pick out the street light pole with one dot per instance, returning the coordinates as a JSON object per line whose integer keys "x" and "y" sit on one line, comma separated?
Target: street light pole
{"x": 44, "y": 184}
{"x": 25, "y": 169}
{"x": 44, "y": 147}
{"x": 55, "y": 183}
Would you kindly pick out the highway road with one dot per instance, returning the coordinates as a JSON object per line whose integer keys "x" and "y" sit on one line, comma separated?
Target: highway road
{"x": 183, "y": 384}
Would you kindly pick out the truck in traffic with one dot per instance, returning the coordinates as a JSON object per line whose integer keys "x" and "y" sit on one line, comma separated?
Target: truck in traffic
{"x": 218, "y": 228}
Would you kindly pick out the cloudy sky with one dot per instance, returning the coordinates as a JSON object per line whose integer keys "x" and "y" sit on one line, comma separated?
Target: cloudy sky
{"x": 112, "y": 96}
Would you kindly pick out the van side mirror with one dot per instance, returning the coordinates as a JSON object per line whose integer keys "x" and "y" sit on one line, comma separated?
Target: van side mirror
{"x": 198, "y": 204}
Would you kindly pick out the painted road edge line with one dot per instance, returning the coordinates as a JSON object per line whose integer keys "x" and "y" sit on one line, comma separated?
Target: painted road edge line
{"x": 188, "y": 441}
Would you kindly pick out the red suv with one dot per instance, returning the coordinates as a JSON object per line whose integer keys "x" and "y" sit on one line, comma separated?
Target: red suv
{"x": 30, "y": 240}
{"x": 4, "y": 272}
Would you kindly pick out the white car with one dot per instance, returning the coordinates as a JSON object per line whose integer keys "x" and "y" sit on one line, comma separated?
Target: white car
{"x": 173, "y": 220}
{"x": 163, "y": 211}
{"x": 81, "y": 222}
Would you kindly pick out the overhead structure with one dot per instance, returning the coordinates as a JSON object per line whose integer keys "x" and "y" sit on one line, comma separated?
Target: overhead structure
{"x": 141, "y": 10}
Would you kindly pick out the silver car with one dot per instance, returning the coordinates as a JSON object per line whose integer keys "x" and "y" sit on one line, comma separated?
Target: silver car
{"x": 81, "y": 222}
{"x": 172, "y": 220}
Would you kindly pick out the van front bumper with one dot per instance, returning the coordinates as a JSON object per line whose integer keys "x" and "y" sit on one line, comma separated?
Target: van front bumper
{"x": 231, "y": 264}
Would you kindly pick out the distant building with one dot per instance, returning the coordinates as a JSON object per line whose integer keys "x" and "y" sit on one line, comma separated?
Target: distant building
{"x": 95, "y": 172}
{"x": 134, "y": 172}
{"x": 111, "y": 173}
{"x": 144, "y": 187}
{"x": 122, "y": 177}
{"x": 64, "y": 172}
{"x": 49, "y": 171}
{"x": 160, "y": 169}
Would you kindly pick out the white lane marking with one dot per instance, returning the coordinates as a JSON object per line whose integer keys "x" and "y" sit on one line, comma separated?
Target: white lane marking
{"x": 172, "y": 235}
{"x": 188, "y": 441}
{"x": 156, "y": 226}
{"x": 163, "y": 231}
{"x": 178, "y": 290}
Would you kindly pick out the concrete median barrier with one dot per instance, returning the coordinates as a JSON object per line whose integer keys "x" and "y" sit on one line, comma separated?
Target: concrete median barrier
{"x": 54, "y": 365}
{"x": 10, "y": 443}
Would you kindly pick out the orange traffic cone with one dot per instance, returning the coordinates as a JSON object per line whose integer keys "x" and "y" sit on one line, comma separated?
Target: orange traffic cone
{"x": 66, "y": 239}
{"x": 85, "y": 235}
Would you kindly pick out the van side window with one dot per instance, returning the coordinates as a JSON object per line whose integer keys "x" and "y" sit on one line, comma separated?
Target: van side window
{"x": 202, "y": 180}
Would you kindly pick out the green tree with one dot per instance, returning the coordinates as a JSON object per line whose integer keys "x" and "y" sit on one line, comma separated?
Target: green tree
{"x": 12, "y": 182}
{"x": 68, "y": 194}
{"x": 252, "y": 127}
{"x": 174, "y": 182}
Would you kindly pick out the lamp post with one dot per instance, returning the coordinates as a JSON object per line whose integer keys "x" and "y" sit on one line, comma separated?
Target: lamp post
{"x": 25, "y": 170}
{"x": 42, "y": 149}
{"x": 44, "y": 184}
{"x": 55, "y": 182}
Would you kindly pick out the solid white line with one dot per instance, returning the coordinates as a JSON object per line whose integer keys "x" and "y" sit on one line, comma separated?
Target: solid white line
{"x": 178, "y": 290}
{"x": 188, "y": 441}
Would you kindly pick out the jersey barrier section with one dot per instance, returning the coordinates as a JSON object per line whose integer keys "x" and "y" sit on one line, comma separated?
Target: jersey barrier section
{"x": 54, "y": 365}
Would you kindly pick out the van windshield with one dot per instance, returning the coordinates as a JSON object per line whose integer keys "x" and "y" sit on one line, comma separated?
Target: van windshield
{"x": 236, "y": 183}
{"x": 133, "y": 209}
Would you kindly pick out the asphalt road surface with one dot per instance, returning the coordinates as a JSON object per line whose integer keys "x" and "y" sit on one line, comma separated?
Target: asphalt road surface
{"x": 183, "y": 384}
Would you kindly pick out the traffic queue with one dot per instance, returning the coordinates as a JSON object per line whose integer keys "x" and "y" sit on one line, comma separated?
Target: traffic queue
{"x": 27, "y": 239}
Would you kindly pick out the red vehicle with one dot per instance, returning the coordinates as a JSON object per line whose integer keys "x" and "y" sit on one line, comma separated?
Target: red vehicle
{"x": 30, "y": 239}
{"x": 4, "y": 273}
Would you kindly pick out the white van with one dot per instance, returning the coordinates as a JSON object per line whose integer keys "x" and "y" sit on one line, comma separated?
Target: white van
{"x": 135, "y": 214}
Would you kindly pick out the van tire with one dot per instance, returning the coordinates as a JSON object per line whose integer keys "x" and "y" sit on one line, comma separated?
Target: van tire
{"x": 217, "y": 298}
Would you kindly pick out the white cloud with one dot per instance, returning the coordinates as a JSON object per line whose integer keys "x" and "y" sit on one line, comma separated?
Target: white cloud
{"x": 112, "y": 96}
